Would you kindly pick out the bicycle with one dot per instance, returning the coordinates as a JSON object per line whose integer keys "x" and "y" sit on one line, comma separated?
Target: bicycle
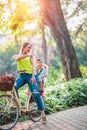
{"x": 11, "y": 108}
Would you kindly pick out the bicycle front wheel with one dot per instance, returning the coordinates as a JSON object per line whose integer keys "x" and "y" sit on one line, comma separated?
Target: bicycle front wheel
{"x": 9, "y": 112}
{"x": 34, "y": 113}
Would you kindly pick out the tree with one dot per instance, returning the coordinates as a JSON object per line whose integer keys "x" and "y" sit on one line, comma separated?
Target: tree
{"x": 44, "y": 44}
{"x": 54, "y": 19}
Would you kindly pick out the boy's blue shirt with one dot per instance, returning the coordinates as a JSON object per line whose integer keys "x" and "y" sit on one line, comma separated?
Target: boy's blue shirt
{"x": 42, "y": 72}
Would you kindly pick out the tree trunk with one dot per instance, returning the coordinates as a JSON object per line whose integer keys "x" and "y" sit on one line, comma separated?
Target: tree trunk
{"x": 44, "y": 45}
{"x": 53, "y": 17}
{"x": 16, "y": 41}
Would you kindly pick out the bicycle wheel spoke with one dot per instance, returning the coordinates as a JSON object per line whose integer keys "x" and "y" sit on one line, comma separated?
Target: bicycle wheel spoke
{"x": 8, "y": 114}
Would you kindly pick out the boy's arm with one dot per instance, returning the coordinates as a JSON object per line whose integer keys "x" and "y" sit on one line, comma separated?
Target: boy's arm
{"x": 46, "y": 68}
{"x": 44, "y": 72}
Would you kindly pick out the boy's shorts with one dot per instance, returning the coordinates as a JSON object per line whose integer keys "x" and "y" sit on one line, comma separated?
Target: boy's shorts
{"x": 41, "y": 93}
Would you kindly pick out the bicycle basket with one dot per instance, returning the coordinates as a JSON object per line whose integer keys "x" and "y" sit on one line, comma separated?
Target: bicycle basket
{"x": 6, "y": 82}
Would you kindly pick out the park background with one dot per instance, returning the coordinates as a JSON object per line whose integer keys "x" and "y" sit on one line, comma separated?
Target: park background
{"x": 58, "y": 32}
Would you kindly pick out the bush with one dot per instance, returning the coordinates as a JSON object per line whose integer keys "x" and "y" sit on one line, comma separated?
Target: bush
{"x": 54, "y": 76}
{"x": 66, "y": 95}
{"x": 77, "y": 92}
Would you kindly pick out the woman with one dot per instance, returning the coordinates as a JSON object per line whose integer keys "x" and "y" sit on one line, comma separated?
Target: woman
{"x": 26, "y": 67}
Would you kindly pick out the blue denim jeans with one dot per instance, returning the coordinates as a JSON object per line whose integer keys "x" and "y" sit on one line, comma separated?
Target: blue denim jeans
{"x": 26, "y": 78}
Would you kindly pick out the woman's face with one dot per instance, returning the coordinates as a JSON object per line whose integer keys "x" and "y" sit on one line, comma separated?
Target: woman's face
{"x": 27, "y": 49}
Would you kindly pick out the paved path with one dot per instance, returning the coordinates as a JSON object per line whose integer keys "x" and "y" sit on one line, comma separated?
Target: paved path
{"x": 72, "y": 119}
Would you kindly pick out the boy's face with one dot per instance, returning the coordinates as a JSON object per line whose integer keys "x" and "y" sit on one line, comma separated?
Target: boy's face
{"x": 39, "y": 64}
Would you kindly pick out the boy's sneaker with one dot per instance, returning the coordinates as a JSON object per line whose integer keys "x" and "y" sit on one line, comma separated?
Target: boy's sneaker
{"x": 44, "y": 120}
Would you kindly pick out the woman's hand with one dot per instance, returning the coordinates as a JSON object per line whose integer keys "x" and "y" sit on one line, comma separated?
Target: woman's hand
{"x": 30, "y": 55}
{"x": 33, "y": 80}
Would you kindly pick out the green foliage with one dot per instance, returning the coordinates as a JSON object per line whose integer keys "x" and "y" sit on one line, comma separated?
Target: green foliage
{"x": 65, "y": 95}
{"x": 83, "y": 70}
{"x": 54, "y": 76}
{"x": 80, "y": 47}
{"x": 77, "y": 90}
{"x": 7, "y": 63}
{"x": 81, "y": 54}
{"x": 23, "y": 117}
{"x": 56, "y": 62}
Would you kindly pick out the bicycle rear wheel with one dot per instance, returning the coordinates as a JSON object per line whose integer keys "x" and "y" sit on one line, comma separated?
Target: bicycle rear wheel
{"x": 8, "y": 113}
{"x": 34, "y": 113}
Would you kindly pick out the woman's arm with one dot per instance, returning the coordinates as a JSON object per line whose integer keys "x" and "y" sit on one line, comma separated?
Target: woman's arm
{"x": 33, "y": 66}
{"x": 33, "y": 70}
{"x": 19, "y": 57}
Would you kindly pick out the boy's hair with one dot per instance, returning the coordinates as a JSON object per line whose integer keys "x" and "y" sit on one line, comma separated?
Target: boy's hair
{"x": 39, "y": 60}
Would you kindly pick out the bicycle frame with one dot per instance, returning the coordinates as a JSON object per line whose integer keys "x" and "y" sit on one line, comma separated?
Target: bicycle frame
{"x": 11, "y": 108}
{"x": 22, "y": 108}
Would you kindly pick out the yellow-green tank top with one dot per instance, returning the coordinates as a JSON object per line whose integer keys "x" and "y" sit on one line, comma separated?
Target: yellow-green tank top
{"x": 25, "y": 64}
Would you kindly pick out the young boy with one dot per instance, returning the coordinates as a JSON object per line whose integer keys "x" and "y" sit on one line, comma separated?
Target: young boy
{"x": 42, "y": 72}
